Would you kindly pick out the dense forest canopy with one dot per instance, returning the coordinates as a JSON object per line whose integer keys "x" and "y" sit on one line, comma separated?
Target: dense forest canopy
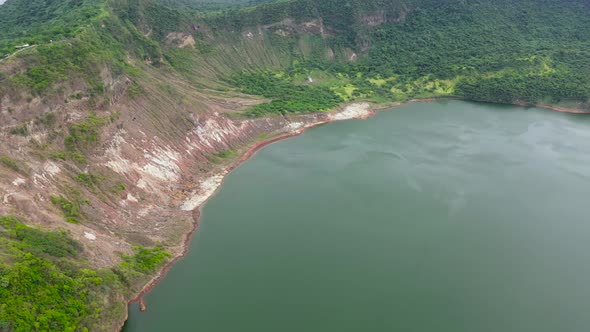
{"x": 41, "y": 21}
{"x": 528, "y": 51}
{"x": 207, "y": 5}
{"x": 531, "y": 51}
{"x": 45, "y": 286}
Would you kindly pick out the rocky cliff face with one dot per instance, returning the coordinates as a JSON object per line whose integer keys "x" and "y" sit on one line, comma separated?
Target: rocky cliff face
{"x": 157, "y": 167}
{"x": 156, "y": 157}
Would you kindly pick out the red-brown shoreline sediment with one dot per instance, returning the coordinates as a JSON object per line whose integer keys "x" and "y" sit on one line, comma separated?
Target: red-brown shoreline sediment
{"x": 258, "y": 146}
{"x": 197, "y": 215}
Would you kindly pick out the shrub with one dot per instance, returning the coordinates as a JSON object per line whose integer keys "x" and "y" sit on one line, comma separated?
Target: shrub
{"x": 57, "y": 244}
{"x": 70, "y": 210}
{"x": 43, "y": 288}
{"x": 10, "y": 163}
{"x": 84, "y": 134}
{"x": 145, "y": 259}
{"x": 119, "y": 188}
{"x": 89, "y": 180}
{"x": 222, "y": 155}
{"x": 48, "y": 119}
{"x": 21, "y": 130}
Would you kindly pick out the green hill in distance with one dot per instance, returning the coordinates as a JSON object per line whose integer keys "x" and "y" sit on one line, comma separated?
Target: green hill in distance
{"x": 529, "y": 51}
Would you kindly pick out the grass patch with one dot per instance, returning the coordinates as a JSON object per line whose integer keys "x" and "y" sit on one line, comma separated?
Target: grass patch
{"x": 134, "y": 90}
{"x": 119, "y": 188}
{"x": 10, "y": 163}
{"x": 20, "y": 130}
{"x": 48, "y": 120}
{"x": 82, "y": 136}
{"x": 57, "y": 244}
{"x": 345, "y": 92}
{"x": 58, "y": 156}
{"x": 89, "y": 180}
{"x": 287, "y": 97}
{"x": 71, "y": 210}
{"x": 144, "y": 261}
{"x": 77, "y": 96}
{"x": 220, "y": 156}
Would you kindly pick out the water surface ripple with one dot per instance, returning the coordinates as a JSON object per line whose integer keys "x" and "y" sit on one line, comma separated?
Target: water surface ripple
{"x": 446, "y": 216}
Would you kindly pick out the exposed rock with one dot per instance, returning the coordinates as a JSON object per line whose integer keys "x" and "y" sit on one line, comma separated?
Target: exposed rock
{"x": 90, "y": 236}
{"x": 353, "y": 111}
{"x": 180, "y": 39}
{"x": 374, "y": 20}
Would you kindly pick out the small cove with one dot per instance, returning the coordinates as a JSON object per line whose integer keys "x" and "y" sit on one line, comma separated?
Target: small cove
{"x": 446, "y": 216}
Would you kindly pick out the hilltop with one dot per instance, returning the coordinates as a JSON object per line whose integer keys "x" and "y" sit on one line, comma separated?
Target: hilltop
{"x": 120, "y": 116}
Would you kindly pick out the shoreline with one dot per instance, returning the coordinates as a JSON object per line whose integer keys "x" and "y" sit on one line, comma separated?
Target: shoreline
{"x": 547, "y": 107}
{"x": 369, "y": 110}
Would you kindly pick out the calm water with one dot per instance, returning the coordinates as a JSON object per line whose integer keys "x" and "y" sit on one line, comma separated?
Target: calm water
{"x": 447, "y": 216}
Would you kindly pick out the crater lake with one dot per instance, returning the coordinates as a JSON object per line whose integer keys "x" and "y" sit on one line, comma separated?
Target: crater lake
{"x": 443, "y": 216}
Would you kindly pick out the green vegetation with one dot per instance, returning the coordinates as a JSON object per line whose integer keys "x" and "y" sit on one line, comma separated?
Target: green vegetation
{"x": 144, "y": 261}
{"x": 42, "y": 21}
{"x": 85, "y": 133}
{"x": 45, "y": 287}
{"x": 58, "y": 156}
{"x": 221, "y": 156}
{"x": 500, "y": 51}
{"x": 119, "y": 188}
{"x": 72, "y": 39}
{"x": 89, "y": 180}
{"x": 212, "y": 5}
{"x": 34, "y": 241}
{"x": 41, "y": 287}
{"x": 10, "y": 163}
{"x": 286, "y": 97}
{"x": 48, "y": 64}
{"x": 134, "y": 90}
{"x": 82, "y": 136}
{"x": 77, "y": 96}
{"x": 20, "y": 130}
{"x": 527, "y": 51}
{"x": 48, "y": 120}
{"x": 530, "y": 51}
{"x": 71, "y": 210}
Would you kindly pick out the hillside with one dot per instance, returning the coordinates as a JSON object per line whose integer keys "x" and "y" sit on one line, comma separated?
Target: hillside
{"x": 121, "y": 116}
